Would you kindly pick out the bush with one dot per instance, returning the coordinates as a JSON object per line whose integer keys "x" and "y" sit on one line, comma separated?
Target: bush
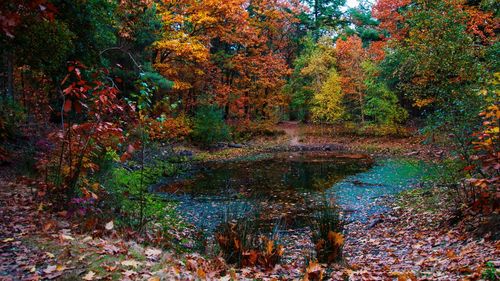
{"x": 138, "y": 208}
{"x": 327, "y": 234}
{"x": 169, "y": 130}
{"x": 209, "y": 126}
{"x": 382, "y": 105}
{"x": 242, "y": 245}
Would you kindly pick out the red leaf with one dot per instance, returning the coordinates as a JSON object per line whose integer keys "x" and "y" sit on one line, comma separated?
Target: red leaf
{"x": 67, "y": 106}
{"x": 469, "y": 168}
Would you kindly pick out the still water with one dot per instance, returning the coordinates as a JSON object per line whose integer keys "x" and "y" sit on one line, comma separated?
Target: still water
{"x": 289, "y": 188}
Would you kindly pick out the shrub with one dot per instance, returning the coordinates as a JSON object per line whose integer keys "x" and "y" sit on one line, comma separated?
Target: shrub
{"x": 209, "y": 126}
{"x": 169, "y": 130}
{"x": 490, "y": 272}
{"x": 242, "y": 245}
{"x": 139, "y": 209}
{"x": 382, "y": 105}
{"x": 327, "y": 234}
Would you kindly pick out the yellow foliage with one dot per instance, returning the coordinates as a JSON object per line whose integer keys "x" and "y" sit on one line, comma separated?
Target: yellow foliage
{"x": 327, "y": 102}
{"x": 423, "y": 102}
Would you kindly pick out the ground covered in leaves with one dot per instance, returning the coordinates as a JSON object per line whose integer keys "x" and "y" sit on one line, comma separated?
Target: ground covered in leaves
{"x": 409, "y": 243}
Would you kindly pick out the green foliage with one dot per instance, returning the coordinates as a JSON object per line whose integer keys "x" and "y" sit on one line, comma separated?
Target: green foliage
{"x": 365, "y": 26}
{"x": 444, "y": 173}
{"x": 36, "y": 44}
{"x": 209, "y": 126}
{"x": 439, "y": 68}
{"x": 312, "y": 69}
{"x": 490, "y": 272}
{"x": 382, "y": 104}
{"x": 94, "y": 24}
{"x": 296, "y": 88}
{"x": 324, "y": 16}
{"x": 438, "y": 63}
{"x": 138, "y": 208}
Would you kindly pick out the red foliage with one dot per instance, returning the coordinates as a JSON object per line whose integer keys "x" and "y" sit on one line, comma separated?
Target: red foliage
{"x": 236, "y": 51}
{"x": 485, "y": 194}
{"x": 391, "y": 17}
{"x": 90, "y": 117}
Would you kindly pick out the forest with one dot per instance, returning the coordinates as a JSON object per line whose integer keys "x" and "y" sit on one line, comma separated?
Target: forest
{"x": 249, "y": 140}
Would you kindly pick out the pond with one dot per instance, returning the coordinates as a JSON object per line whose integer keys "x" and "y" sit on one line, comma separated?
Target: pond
{"x": 289, "y": 188}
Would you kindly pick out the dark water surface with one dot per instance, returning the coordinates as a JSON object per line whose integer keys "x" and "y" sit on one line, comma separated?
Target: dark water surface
{"x": 289, "y": 187}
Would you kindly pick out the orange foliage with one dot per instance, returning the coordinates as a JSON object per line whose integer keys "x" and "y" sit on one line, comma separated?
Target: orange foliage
{"x": 236, "y": 51}
{"x": 376, "y": 51}
{"x": 390, "y": 16}
{"x": 350, "y": 55}
{"x": 481, "y": 24}
{"x": 486, "y": 191}
{"x": 172, "y": 129}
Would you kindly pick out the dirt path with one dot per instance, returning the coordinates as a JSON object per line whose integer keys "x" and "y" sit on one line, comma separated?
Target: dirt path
{"x": 292, "y": 131}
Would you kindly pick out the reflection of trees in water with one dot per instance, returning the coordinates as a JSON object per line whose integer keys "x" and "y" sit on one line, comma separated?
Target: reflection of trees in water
{"x": 279, "y": 188}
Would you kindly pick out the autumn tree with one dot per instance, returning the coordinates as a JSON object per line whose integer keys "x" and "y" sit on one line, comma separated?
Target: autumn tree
{"x": 232, "y": 53}
{"x": 350, "y": 55}
{"x": 312, "y": 69}
{"x": 326, "y": 105}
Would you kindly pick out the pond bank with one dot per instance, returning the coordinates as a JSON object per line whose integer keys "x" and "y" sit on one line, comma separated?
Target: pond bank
{"x": 408, "y": 243}
{"x": 405, "y": 241}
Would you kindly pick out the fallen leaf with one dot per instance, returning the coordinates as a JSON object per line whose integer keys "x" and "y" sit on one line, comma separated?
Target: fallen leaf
{"x": 109, "y": 225}
{"x": 153, "y": 253}
{"x": 50, "y": 269}
{"x": 89, "y": 276}
{"x": 132, "y": 263}
{"x": 66, "y": 237}
{"x": 50, "y": 255}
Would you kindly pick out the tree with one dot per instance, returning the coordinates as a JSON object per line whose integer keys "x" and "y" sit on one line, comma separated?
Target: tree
{"x": 324, "y": 16}
{"x": 382, "y": 104}
{"x": 350, "y": 55}
{"x": 232, "y": 52}
{"x": 312, "y": 69}
{"x": 391, "y": 13}
{"x": 327, "y": 103}
{"x": 365, "y": 25}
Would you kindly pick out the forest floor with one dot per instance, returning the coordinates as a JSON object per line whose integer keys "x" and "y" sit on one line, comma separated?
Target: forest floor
{"x": 420, "y": 239}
